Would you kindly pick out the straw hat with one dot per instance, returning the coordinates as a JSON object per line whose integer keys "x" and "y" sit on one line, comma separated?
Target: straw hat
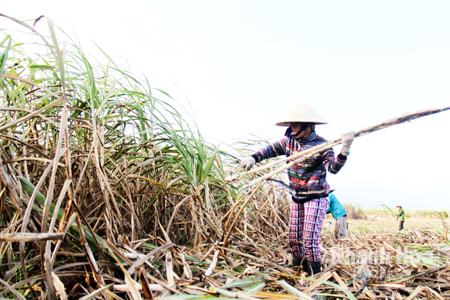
{"x": 301, "y": 113}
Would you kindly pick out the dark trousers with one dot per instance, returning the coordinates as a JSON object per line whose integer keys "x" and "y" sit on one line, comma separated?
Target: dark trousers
{"x": 400, "y": 226}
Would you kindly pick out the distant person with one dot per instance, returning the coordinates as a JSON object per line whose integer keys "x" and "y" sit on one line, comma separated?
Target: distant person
{"x": 339, "y": 214}
{"x": 400, "y": 217}
{"x": 307, "y": 178}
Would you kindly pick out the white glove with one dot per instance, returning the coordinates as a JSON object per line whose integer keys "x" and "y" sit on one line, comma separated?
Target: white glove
{"x": 346, "y": 140}
{"x": 247, "y": 163}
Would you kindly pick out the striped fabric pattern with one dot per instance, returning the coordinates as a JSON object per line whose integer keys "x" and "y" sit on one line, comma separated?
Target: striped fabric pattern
{"x": 305, "y": 226}
{"x": 308, "y": 178}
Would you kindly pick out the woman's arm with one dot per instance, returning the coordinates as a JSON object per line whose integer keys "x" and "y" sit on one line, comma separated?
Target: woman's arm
{"x": 276, "y": 149}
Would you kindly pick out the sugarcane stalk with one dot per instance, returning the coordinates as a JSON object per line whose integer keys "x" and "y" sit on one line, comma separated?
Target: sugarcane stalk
{"x": 305, "y": 154}
{"x": 225, "y": 239}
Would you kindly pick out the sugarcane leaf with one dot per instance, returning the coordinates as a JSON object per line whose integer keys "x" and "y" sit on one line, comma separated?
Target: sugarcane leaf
{"x": 4, "y": 55}
{"x": 293, "y": 290}
{"x": 209, "y": 165}
{"x": 244, "y": 282}
{"x": 255, "y": 288}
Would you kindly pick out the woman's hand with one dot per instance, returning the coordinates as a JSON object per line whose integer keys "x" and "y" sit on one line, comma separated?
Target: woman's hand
{"x": 247, "y": 163}
{"x": 347, "y": 140}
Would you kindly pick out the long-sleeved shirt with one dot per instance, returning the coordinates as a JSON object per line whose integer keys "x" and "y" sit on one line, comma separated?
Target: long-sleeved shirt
{"x": 308, "y": 177}
{"x": 335, "y": 207}
{"x": 401, "y": 215}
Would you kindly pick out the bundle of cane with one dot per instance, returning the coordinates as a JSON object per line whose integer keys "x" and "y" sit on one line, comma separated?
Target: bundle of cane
{"x": 305, "y": 154}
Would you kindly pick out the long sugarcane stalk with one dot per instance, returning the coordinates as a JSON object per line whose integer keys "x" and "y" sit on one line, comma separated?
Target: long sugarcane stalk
{"x": 305, "y": 154}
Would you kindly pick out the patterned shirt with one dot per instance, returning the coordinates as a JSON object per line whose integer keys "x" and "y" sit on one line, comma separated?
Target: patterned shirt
{"x": 308, "y": 177}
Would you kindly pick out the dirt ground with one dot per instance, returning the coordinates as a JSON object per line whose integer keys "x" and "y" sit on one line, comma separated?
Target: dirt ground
{"x": 388, "y": 225}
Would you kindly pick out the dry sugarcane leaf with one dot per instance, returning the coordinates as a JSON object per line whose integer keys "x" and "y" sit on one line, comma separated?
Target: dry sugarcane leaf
{"x": 213, "y": 264}
{"x": 161, "y": 283}
{"x": 272, "y": 295}
{"x": 30, "y": 159}
{"x": 392, "y": 249}
{"x": 166, "y": 236}
{"x": 12, "y": 290}
{"x": 91, "y": 258}
{"x": 369, "y": 294}
{"x": 233, "y": 223}
{"x": 293, "y": 290}
{"x": 59, "y": 286}
{"x": 96, "y": 293}
{"x": 169, "y": 270}
{"x": 141, "y": 260}
{"x": 200, "y": 291}
{"x": 244, "y": 282}
{"x": 339, "y": 280}
{"x": 314, "y": 285}
{"x": 434, "y": 293}
{"x": 187, "y": 272}
{"x": 256, "y": 259}
{"x": 145, "y": 285}
{"x": 36, "y": 112}
{"x": 239, "y": 295}
{"x": 430, "y": 271}
{"x": 135, "y": 255}
{"x": 416, "y": 292}
{"x": 28, "y": 237}
{"x": 125, "y": 287}
{"x": 132, "y": 286}
{"x": 387, "y": 285}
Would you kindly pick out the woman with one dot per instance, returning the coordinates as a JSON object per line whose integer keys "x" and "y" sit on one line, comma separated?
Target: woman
{"x": 308, "y": 178}
{"x": 339, "y": 214}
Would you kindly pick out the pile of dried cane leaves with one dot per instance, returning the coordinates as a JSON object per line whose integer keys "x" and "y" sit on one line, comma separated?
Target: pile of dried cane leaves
{"x": 106, "y": 192}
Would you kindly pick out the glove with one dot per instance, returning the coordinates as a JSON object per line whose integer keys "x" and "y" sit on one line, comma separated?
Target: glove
{"x": 247, "y": 163}
{"x": 346, "y": 140}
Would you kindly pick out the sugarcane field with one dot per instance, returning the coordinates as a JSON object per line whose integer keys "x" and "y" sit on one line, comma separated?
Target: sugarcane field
{"x": 108, "y": 190}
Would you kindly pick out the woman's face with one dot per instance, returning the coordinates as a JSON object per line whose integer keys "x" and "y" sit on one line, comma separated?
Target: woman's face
{"x": 300, "y": 132}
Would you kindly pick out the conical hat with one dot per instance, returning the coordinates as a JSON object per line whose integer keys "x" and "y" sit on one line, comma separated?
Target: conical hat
{"x": 301, "y": 113}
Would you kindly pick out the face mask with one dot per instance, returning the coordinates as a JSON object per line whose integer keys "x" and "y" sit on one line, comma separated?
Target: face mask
{"x": 304, "y": 127}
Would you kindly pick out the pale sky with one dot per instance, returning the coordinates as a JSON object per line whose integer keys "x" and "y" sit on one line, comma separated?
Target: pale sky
{"x": 243, "y": 64}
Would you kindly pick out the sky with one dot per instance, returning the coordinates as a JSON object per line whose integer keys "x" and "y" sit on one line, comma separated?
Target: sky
{"x": 238, "y": 66}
